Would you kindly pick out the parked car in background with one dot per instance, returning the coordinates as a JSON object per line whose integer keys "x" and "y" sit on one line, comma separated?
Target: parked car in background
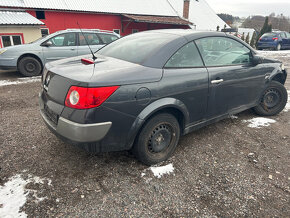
{"x": 275, "y": 40}
{"x": 30, "y": 58}
{"x": 144, "y": 91}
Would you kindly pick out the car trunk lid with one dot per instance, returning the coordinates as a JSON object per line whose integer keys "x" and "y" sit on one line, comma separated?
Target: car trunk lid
{"x": 105, "y": 71}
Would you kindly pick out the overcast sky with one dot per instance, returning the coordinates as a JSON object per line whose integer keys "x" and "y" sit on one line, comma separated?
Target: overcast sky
{"x": 251, "y": 7}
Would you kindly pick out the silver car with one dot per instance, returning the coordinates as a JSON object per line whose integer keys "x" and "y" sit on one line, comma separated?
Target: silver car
{"x": 29, "y": 59}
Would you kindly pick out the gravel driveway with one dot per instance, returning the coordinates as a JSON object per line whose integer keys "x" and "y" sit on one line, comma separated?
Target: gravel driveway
{"x": 236, "y": 167}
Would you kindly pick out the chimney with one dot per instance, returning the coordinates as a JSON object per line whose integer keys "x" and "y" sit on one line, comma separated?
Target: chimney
{"x": 186, "y": 8}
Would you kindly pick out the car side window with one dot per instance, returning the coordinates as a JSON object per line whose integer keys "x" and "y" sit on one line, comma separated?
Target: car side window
{"x": 222, "y": 51}
{"x": 283, "y": 35}
{"x": 288, "y": 35}
{"x": 67, "y": 39}
{"x": 107, "y": 38}
{"x": 91, "y": 39}
{"x": 186, "y": 57}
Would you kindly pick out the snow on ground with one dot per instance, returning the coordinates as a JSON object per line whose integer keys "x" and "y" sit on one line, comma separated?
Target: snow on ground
{"x": 259, "y": 122}
{"x": 283, "y": 53}
{"x": 20, "y": 81}
{"x": 160, "y": 171}
{"x": 287, "y": 107}
{"x": 13, "y": 195}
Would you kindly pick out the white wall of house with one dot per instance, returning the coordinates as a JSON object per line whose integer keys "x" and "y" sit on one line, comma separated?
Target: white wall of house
{"x": 201, "y": 14}
{"x": 30, "y": 33}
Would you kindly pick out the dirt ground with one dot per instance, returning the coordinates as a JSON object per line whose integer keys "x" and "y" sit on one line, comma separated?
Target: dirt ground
{"x": 226, "y": 169}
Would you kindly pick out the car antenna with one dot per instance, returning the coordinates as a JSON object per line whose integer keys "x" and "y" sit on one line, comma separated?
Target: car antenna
{"x": 94, "y": 56}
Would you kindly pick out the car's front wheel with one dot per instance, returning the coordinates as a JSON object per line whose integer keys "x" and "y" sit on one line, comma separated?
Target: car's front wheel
{"x": 29, "y": 66}
{"x": 157, "y": 139}
{"x": 273, "y": 100}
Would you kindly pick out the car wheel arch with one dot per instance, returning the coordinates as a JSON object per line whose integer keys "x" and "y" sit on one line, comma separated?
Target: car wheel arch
{"x": 280, "y": 77}
{"x": 168, "y": 105}
{"x": 30, "y": 55}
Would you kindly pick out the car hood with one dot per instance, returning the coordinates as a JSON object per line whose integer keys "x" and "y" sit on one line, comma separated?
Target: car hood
{"x": 104, "y": 72}
{"x": 270, "y": 60}
{"x": 21, "y": 47}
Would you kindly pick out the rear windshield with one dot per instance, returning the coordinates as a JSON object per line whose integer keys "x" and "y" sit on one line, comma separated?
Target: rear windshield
{"x": 136, "y": 48}
{"x": 270, "y": 35}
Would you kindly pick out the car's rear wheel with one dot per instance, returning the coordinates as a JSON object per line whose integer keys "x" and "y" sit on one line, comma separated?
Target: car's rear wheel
{"x": 29, "y": 66}
{"x": 273, "y": 100}
{"x": 157, "y": 139}
{"x": 279, "y": 46}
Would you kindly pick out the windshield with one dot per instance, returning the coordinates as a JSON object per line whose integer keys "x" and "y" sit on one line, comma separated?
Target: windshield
{"x": 37, "y": 40}
{"x": 136, "y": 48}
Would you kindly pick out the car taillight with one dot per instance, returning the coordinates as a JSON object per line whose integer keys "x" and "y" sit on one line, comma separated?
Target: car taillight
{"x": 85, "y": 98}
{"x": 275, "y": 38}
{"x": 260, "y": 39}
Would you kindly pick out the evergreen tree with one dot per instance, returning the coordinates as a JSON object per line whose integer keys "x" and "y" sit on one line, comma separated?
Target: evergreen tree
{"x": 248, "y": 38}
{"x": 253, "y": 40}
{"x": 218, "y": 28}
{"x": 243, "y": 37}
{"x": 267, "y": 28}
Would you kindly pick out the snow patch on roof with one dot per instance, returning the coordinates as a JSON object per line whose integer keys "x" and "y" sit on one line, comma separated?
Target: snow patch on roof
{"x": 259, "y": 122}
{"x": 246, "y": 31}
{"x": 18, "y": 18}
{"x": 201, "y": 14}
{"x": 141, "y": 7}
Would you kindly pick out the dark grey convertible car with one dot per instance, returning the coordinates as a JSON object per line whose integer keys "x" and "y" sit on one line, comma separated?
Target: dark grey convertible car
{"x": 146, "y": 90}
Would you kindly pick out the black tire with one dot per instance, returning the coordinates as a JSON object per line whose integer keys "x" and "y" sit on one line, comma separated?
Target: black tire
{"x": 273, "y": 100}
{"x": 157, "y": 140}
{"x": 29, "y": 66}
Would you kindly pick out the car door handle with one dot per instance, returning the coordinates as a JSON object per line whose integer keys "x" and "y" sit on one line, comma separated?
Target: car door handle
{"x": 217, "y": 81}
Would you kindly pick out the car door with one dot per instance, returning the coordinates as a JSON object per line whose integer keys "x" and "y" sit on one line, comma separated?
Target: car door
{"x": 287, "y": 40}
{"x": 186, "y": 79}
{"x": 234, "y": 82}
{"x": 59, "y": 47}
{"x": 88, "y": 38}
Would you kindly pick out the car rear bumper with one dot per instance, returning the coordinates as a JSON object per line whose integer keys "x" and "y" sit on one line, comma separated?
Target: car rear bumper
{"x": 74, "y": 132}
{"x": 267, "y": 44}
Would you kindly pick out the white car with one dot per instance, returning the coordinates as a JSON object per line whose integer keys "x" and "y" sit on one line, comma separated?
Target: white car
{"x": 30, "y": 58}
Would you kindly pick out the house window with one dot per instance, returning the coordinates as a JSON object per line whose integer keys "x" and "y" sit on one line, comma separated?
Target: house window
{"x": 135, "y": 31}
{"x": 117, "y": 31}
{"x": 11, "y": 40}
{"x": 40, "y": 15}
{"x": 44, "y": 32}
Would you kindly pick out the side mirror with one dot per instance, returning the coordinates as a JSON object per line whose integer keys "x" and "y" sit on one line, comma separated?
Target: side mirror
{"x": 47, "y": 43}
{"x": 257, "y": 60}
